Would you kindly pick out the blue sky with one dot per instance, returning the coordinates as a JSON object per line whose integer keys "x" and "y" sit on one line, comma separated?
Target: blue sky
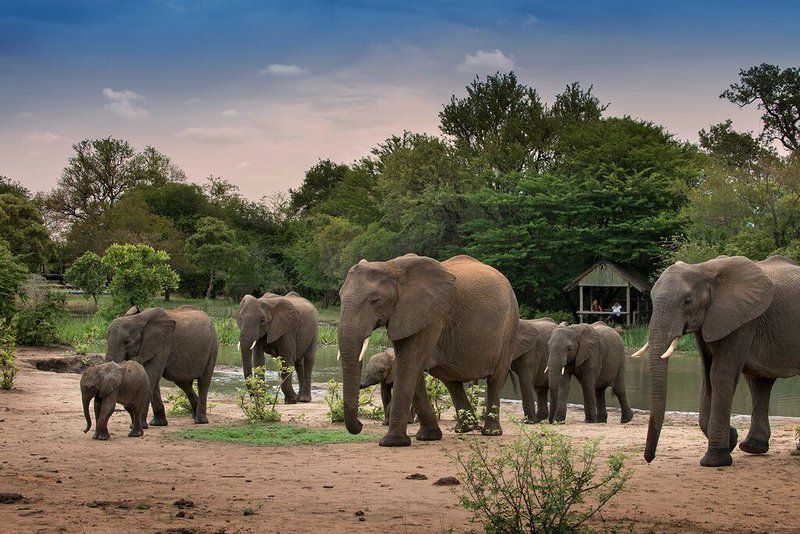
{"x": 258, "y": 91}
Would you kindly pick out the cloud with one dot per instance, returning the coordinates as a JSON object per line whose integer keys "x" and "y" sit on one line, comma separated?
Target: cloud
{"x": 123, "y": 103}
{"x": 221, "y": 135}
{"x": 229, "y": 113}
{"x": 43, "y": 137}
{"x": 243, "y": 165}
{"x": 278, "y": 69}
{"x": 530, "y": 20}
{"x": 482, "y": 61}
{"x": 191, "y": 101}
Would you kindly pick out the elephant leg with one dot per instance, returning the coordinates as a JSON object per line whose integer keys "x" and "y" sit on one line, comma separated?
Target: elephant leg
{"x": 410, "y": 361}
{"x": 106, "y": 409}
{"x": 386, "y": 399}
{"x": 494, "y": 387}
{"x": 203, "y": 385}
{"x": 466, "y": 420}
{"x": 154, "y": 373}
{"x": 98, "y": 402}
{"x": 519, "y": 367}
{"x": 136, "y": 420}
{"x": 159, "y": 414}
{"x": 289, "y": 395}
{"x": 428, "y": 425}
{"x": 602, "y": 413}
{"x": 304, "y": 377}
{"x": 705, "y": 402}
{"x": 541, "y": 404}
{"x": 589, "y": 401}
{"x": 757, "y": 440}
{"x": 622, "y": 396}
{"x": 190, "y": 394}
{"x": 721, "y": 435}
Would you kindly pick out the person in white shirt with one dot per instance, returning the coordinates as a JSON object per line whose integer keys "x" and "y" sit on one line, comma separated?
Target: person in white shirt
{"x": 616, "y": 308}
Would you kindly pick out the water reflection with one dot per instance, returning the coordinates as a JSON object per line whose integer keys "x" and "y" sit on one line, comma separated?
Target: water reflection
{"x": 683, "y": 385}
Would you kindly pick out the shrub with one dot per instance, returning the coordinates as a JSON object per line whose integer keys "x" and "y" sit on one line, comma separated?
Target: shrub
{"x": 227, "y": 331}
{"x": 42, "y": 307}
{"x": 366, "y": 407}
{"x": 180, "y": 402}
{"x": 84, "y": 335}
{"x": 539, "y": 483}
{"x": 139, "y": 273}
{"x": 438, "y": 395}
{"x": 7, "y": 368}
{"x": 12, "y": 275}
{"x": 258, "y": 401}
{"x": 89, "y": 274}
{"x": 476, "y": 395}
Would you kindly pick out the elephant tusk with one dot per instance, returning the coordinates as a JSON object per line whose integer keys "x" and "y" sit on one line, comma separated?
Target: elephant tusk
{"x": 670, "y": 349}
{"x": 562, "y": 370}
{"x": 253, "y": 345}
{"x": 641, "y": 351}
{"x": 239, "y": 346}
{"x": 545, "y": 369}
{"x": 363, "y": 349}
{"x": 338, "y": 355}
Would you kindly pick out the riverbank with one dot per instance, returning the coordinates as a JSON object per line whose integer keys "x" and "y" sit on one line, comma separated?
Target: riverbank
{"x": 71, "y": 483}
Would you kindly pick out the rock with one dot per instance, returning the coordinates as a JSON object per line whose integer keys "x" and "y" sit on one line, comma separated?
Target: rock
{"x": 8, "y": 498}
{"x": 180, "y": 513}
{"x": 359, "y": 513}
{"x": 416, "y": 476}
{"x": 447, "y": 481}
{"x": 362, "y": 518}
{"x": 184, "y": 503}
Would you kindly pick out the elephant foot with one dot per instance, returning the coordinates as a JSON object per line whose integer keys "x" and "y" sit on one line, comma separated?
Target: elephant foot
{"x": 395, "y": 440}
{"x": 464, "y": 427}
{"x": 304, "y": 398}
{"x": 161, "y": 421}
{"x": 102, "y": 436}
{"x": 492, "y": 429}
{"x": 202, "y": 420}
{"x": 590, "y": 421}
{"x": 627, "y": 415}
{"x": 385, "y": 422}
{"x": 733, "y": 437}
{"x": 135, "y": 433}
{"x": 144, "y": 425}
{"x": 429, "y": 434}
{"x": 717, "y": 458}
{"x": 290, "y": 400}
{"x": 754, "y": 446}
{"x": 530, "y": 420}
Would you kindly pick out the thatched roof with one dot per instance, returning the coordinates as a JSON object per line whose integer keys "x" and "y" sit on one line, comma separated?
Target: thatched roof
{"x": 605, "y": 273}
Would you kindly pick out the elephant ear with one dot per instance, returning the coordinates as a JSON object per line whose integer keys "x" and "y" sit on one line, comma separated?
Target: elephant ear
{"x": 157, "y": 330}
{"x": 425, "y": 290}
{"x": 109, "y": 380}
{"x": 284, "y": 318}
{"x": 589, "y": 344}
{"x": 740, "y": 292}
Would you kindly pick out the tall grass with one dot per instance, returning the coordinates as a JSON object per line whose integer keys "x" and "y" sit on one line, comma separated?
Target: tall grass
{"x": 85, "y": 334}
{"x": 227, "y": 331}
{"x": 636, "y": 336}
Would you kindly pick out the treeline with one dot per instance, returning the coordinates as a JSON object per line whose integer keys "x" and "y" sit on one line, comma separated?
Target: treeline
{"x": 540, "y": 191}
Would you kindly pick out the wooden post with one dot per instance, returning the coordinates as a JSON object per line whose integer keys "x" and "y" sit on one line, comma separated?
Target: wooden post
{"x": 628, "y": 305}
{"x": 580, "y": 301}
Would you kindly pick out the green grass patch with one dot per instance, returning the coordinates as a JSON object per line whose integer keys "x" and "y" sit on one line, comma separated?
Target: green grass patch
{"x": 274, "y": 435}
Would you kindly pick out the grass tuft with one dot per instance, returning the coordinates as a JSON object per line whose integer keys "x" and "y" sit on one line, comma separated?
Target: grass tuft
{"x": 274, "y": 435}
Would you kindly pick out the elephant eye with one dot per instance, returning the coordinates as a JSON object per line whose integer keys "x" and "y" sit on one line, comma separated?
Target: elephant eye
{"x": 374, "y": 300}
{"x": 689, "y": 301}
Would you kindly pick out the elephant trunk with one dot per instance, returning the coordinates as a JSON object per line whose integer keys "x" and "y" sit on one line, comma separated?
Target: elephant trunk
{"x": 351, "y": 347}
{"x": 554, "y": 377}
{"x": 247, "y": 342}
{"x": 87, "y": 396}
{"x": 661, "y": 339}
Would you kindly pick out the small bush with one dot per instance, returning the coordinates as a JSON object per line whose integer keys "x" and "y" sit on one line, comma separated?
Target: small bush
{"x": 327, "y": 336}
{"x": 7, "y": 368}
{"x": 366, "y": 406}
{"x": 476, "y": 395}
{"x": 539, "y": 483}
{"x": 438, "y": 395}
{"x": 12, "y": 275}
{"x": 258, "y": 401}
{"x": 42, "y": 307}
{"x": 180, "y": 404}
{"x": 227, "y": 331}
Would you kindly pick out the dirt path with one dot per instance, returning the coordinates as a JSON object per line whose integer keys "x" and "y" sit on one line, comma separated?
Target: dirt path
{"x": 72, "y": 483}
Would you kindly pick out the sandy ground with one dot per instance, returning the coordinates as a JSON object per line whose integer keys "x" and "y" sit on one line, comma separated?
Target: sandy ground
{"x": 72, "y": 483}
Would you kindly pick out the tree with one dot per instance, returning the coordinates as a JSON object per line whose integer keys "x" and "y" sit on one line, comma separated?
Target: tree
{"x": 138, "y": 274}
{"x": 318, "y": 184}
{"x": 12, "y": 274}
{"x": 7, "y": 185}
{"x": 213, "y": 248}
{"x": 22, "y": 230}
{"x": 776, "y": 91}
{"x": 89, "y": 274}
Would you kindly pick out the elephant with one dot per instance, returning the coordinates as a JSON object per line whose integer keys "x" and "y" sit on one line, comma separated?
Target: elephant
{"x": 595, "y": 355}
{"x": 285, "y": 326}
{"x": 110, "y": 383}
{"x": 457, "y": 319}
{"x": 529, "y": 362}
{"x": 745, "y": 317}
{"x": 179, "y": 344}
{"x": 380, "y": 370}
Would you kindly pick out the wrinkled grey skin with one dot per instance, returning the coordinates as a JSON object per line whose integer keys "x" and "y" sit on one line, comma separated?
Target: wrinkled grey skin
{"x": 285, "y": 326}
{"x": 457, "y": 319}
{"x": 745, "y": 316}
{"x": 110, "y": 383}
{"x": 530, "y": 360}
{"x": 180, "y": 345}
{"x": 380, "y": 370}
{"x": 595, "y": 355}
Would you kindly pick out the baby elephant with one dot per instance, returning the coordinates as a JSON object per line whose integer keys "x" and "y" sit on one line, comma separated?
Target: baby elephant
{"x": 111, "y": 383}
{"x": 380, "y": 370}
{"x": 595, "y": 354}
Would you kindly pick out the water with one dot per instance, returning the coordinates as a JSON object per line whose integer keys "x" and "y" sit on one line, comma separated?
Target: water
{"x": 683, "y": 385}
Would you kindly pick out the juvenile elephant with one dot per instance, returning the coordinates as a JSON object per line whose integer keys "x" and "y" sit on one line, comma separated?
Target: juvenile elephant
{"x": 284, "y": 326}
{"x": 111, "y": 383}
{"x": 380, "y": 370}
{"x": 529, "y": 363}
{"x": 180, "y": 345}
{"x": 595, "y": 355}
{"x": 745, "y": 316}
{"x": 457, "y": 319}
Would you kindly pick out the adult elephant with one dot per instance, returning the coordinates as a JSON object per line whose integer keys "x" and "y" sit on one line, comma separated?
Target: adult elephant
{"x": 745, "y": 316}
{"x": 595, "y": 355}
{"x": 529, "y": 363}
{"x": 180, "y": 344}
{"x": 284, "y": 326}
{"x": 457, "y": 319}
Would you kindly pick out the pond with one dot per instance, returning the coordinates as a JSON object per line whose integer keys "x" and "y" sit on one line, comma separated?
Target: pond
{"x": 683, "y": 384}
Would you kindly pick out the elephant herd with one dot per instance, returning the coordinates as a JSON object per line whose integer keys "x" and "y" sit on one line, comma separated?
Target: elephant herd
{"x": 458, "y": 320}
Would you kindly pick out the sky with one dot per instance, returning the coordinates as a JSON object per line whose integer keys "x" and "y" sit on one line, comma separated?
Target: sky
{"x": 257, "y": 92}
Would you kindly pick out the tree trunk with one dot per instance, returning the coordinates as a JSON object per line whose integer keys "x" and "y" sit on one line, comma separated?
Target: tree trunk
{"x": 210, "y": 286}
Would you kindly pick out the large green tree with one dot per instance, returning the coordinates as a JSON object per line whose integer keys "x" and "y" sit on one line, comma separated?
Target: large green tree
{"x": 22, "y": 230}
{"x": 214, "y": 250}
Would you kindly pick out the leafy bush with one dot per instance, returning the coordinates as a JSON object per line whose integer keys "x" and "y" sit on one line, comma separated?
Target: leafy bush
{"x": 12, "y": 275}
{"x": 539, "y": 483}
{"x": 476, "y": 395}
{"x": 139, "y": 273}
{"x": 258, "y": 401}
{"x": 438, "y": 395}
{"x": 7, "y": 368}
{"x": 227, "y": 331}
{"x": 327, "y": 336}
{"x": 180, "y": 404}
{"x": 42, "y": 307}
{"x": 89, "y": 274}
{"x": 366, "y": 407}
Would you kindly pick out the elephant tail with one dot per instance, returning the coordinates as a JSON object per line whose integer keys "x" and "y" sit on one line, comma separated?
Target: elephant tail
{"x": 514, "y": 381}
{"x": 87, "y": 397}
